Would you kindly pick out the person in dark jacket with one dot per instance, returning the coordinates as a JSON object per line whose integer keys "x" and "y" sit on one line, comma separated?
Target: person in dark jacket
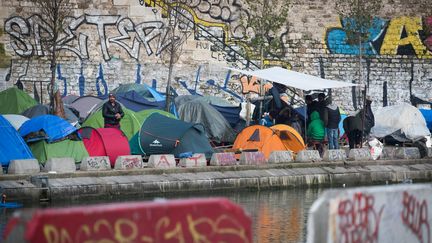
{"x": 112, "y": 112}
{"x": 360, "y": 125}
{"x": 331, "y": 123}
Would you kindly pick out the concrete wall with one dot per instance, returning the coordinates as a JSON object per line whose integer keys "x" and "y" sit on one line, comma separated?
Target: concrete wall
{"x": 372, "y": 214}
{"x": 98, "y": 54}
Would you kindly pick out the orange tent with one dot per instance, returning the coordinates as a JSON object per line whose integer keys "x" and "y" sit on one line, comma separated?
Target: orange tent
{"x": 266, "y": 140}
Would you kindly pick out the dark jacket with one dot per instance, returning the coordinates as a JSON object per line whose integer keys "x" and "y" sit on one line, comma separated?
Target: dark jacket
{"x": 331, "y": 117}
{"x": 109, "y": 111}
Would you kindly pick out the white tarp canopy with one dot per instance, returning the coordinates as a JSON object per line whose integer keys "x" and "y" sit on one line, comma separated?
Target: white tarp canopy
{"x": 295, "y": 79}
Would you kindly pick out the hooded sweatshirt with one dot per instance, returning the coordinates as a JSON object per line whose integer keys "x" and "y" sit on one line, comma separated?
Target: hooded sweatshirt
{"x": 315, "y": 129}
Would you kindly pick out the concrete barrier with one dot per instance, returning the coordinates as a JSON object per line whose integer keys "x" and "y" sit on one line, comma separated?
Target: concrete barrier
{"x": 95, "y": 163}
{"x": 280, "y": 157}
{"x": 162, "y": 161}
{"x": 308, "y": 156}
{"x": 252, "y": 158}
{"x": 331, "y": 155}
{"x": 187, "y": 220}
{"x": 360, "y": 154}
{"x": 197, "y": 160}
{"x": 221, "y": 159}
{"x": 23, "y": 166}
{"x": 128, "y": 162}
{"x": 399, "y": 213}
{"x": 60, "y": 165}
{"x": 401, "y": 153}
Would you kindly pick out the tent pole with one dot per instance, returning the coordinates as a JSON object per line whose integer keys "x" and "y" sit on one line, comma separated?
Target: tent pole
{"x": 305, "y": 118}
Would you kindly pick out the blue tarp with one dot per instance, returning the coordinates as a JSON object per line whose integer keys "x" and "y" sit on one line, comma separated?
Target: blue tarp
{"x": 53, "y": 128}
{"x": 136, "y": 102}
{"x": 427, "y": 114}
{"x": 12, "y": 146}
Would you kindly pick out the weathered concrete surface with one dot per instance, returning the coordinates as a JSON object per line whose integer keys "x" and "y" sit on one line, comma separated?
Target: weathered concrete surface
{"x": 223, "y": 159}
{"x": 23, "y": 166}
{"x": 334, "y": 155}
{"x": 161, "y": 161}
{"x": 95, "y": 163}
{"x": 307, "y": 156}
{"x": 60, "y": 165}
{"x": 128, "y": 162}
{"x": 197, "y": 160}
{"x": 397, "y": 213}
{"x": 400, "y": 153}
{"x": 90, "y": 184}
{"x": 280, "y": 157}
{"x": 360, "y": 154}
{"x": 252, "y": 158}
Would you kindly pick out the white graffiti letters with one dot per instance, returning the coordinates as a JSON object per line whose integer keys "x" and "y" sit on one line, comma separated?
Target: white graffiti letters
{"x": 28, "y": 35}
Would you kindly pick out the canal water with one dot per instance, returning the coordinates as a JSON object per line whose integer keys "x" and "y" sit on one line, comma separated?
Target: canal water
{"x": 277, "y": 215}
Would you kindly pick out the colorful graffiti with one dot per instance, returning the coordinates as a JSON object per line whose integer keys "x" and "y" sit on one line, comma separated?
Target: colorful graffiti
{"x": 415, "y": 216}
{"x": 398, "y": 36}
{"x": 27, "y": 41}
{"x": 193, "y": 220}
{"x": 358, "y": 219}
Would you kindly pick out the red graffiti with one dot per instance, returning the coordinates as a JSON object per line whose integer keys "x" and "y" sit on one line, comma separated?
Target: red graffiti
{"x": 256, "y": 158}
{"x": 131, "y": 163}
{"x": 226, "y": 159}
{"x": 196, "y": 159}
{"x": 358, "y": 220}
{"x": 415, "y": 216}
{"x": 163, "y": 160}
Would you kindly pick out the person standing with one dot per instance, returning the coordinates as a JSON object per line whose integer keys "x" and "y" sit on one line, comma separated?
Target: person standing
{"x": 331, "y": 123}
{"x": 112, "y": 112}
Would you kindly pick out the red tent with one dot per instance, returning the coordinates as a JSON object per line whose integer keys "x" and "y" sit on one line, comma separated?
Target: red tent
{"x": 109, "y": 142}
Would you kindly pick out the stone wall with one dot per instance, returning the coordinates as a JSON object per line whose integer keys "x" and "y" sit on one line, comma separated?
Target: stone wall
{"x": 122, "y": 41}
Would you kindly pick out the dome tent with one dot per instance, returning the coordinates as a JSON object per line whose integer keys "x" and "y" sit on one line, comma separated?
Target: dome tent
{"x": 15, "y": 101}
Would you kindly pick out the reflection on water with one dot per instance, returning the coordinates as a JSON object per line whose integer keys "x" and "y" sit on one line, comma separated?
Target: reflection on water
{"x": 277, "y": 215}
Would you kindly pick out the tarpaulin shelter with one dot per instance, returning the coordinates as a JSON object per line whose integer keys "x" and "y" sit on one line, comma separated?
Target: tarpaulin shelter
{"x": 163, "y": 135}
{"x": 15, "y": 101}
{"x": 16, "y": 120}
{"x": 63, "y": 149}
{"x": 136, "y": 102}
{"x": 216, "y": 126}
{"x": 40, "y": 109}
{"x": 427, "y": 114}
{"x": 229, "y": 111}
{"x": 143, "y": 90}
{"x": 12, "y": 146}
{"x": 49, "y": 127}
{"x": 109, "y": 142}
{"x": 266, "y": 140}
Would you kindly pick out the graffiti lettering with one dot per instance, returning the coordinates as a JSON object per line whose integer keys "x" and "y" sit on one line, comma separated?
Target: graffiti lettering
{"x": 130, "y": 163}
{"x": 399, "y": 36}
{"x": 163, "y": 161}
{"x": 226, "y": 158}
{"x": 28, "y": 35}
{"x": 358, "y": 220}
{"x": 415, "y": 216}
{"x": 250, "y": 84}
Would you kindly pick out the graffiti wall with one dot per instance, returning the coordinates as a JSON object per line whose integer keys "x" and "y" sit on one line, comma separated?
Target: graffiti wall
{"x": 103, "y": 44}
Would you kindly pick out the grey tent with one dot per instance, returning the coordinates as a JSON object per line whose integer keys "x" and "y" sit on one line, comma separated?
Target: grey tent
{"x": 84, "y": 105}
{"x": 39, "y": 110}
{"x": 199, "y": 111}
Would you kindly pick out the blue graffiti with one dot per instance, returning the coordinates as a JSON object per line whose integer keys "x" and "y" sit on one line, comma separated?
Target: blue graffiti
{"x": 138, "y": 74}
{"x": 211, "y": 82}
{"x": 337, "y": 41}
{"x": 81, "y": 82}
{"x": 100, "y": 79}
{"x": 60, "y": 77}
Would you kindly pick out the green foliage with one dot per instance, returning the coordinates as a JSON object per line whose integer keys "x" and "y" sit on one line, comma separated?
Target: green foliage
{"x": 358, "y": 16}
{"x": 266, "y": 22}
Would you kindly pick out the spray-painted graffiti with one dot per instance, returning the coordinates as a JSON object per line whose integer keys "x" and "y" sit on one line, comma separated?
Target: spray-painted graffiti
{"x": 415, "y": 216}
{"x": 131, "y": 163}
{"x": 27, "y": 35}
{"x": 358, "y": 219}
{"x": 399, "y": 36}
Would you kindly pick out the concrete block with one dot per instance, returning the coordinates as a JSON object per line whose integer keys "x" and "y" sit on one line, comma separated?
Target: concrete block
{"x": 360, "y": 154}
{"x": 197, "y": 160}
{"x": 397, "y": 213}
{"x": 221, "y": 159}
{"x": 128, "y": 162}
{"x": 60, "y": 165}
{"x": 23, "y": 166}
{"x": 161, "y": 161}
{"x": 429, "y": 152}
{"x": 407, "y": 153}
{"x": 388, "y": 152}
{"x": 334, "y": 155}
{"x": 252, "y": 158}
{"x": 95, "y": 163}
{"x": 308, "y": 156}
{"x": 280, "y": 157}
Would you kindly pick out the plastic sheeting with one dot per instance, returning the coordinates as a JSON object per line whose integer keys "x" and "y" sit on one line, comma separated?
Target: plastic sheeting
{"x": 403, "y": 117}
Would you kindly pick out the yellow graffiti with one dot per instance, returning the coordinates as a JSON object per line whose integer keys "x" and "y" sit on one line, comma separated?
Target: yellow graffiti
{"x": 393, "y": 38}
{"x": 216, "y": 228}
{"x": 225, "y": 27}
{"x": 52, "y": 235}
{"x": 250, "y": 84}
{"x": 119, "y": 236}
{"x": 176, "y": 233}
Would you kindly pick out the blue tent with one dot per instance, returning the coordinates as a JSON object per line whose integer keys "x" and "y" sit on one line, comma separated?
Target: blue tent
{"x": 163, "y": 135}
{"x": 49, "y": 127}
{"x": 136, "y": 102}
{"x": 12, "y": 146}
{"x": 427, "y": 114}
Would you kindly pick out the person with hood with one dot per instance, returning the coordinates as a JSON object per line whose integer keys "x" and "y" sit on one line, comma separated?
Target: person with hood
{"x": 316, "y": 131}
{"x": 331, "y": 124}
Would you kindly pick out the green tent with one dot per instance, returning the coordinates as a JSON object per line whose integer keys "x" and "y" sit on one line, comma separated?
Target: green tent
{"x": 130, "y": 124}
{"x": 15, "y": 101}
{"x": 134, "y": 142}
{"x": 43, "y": 151}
